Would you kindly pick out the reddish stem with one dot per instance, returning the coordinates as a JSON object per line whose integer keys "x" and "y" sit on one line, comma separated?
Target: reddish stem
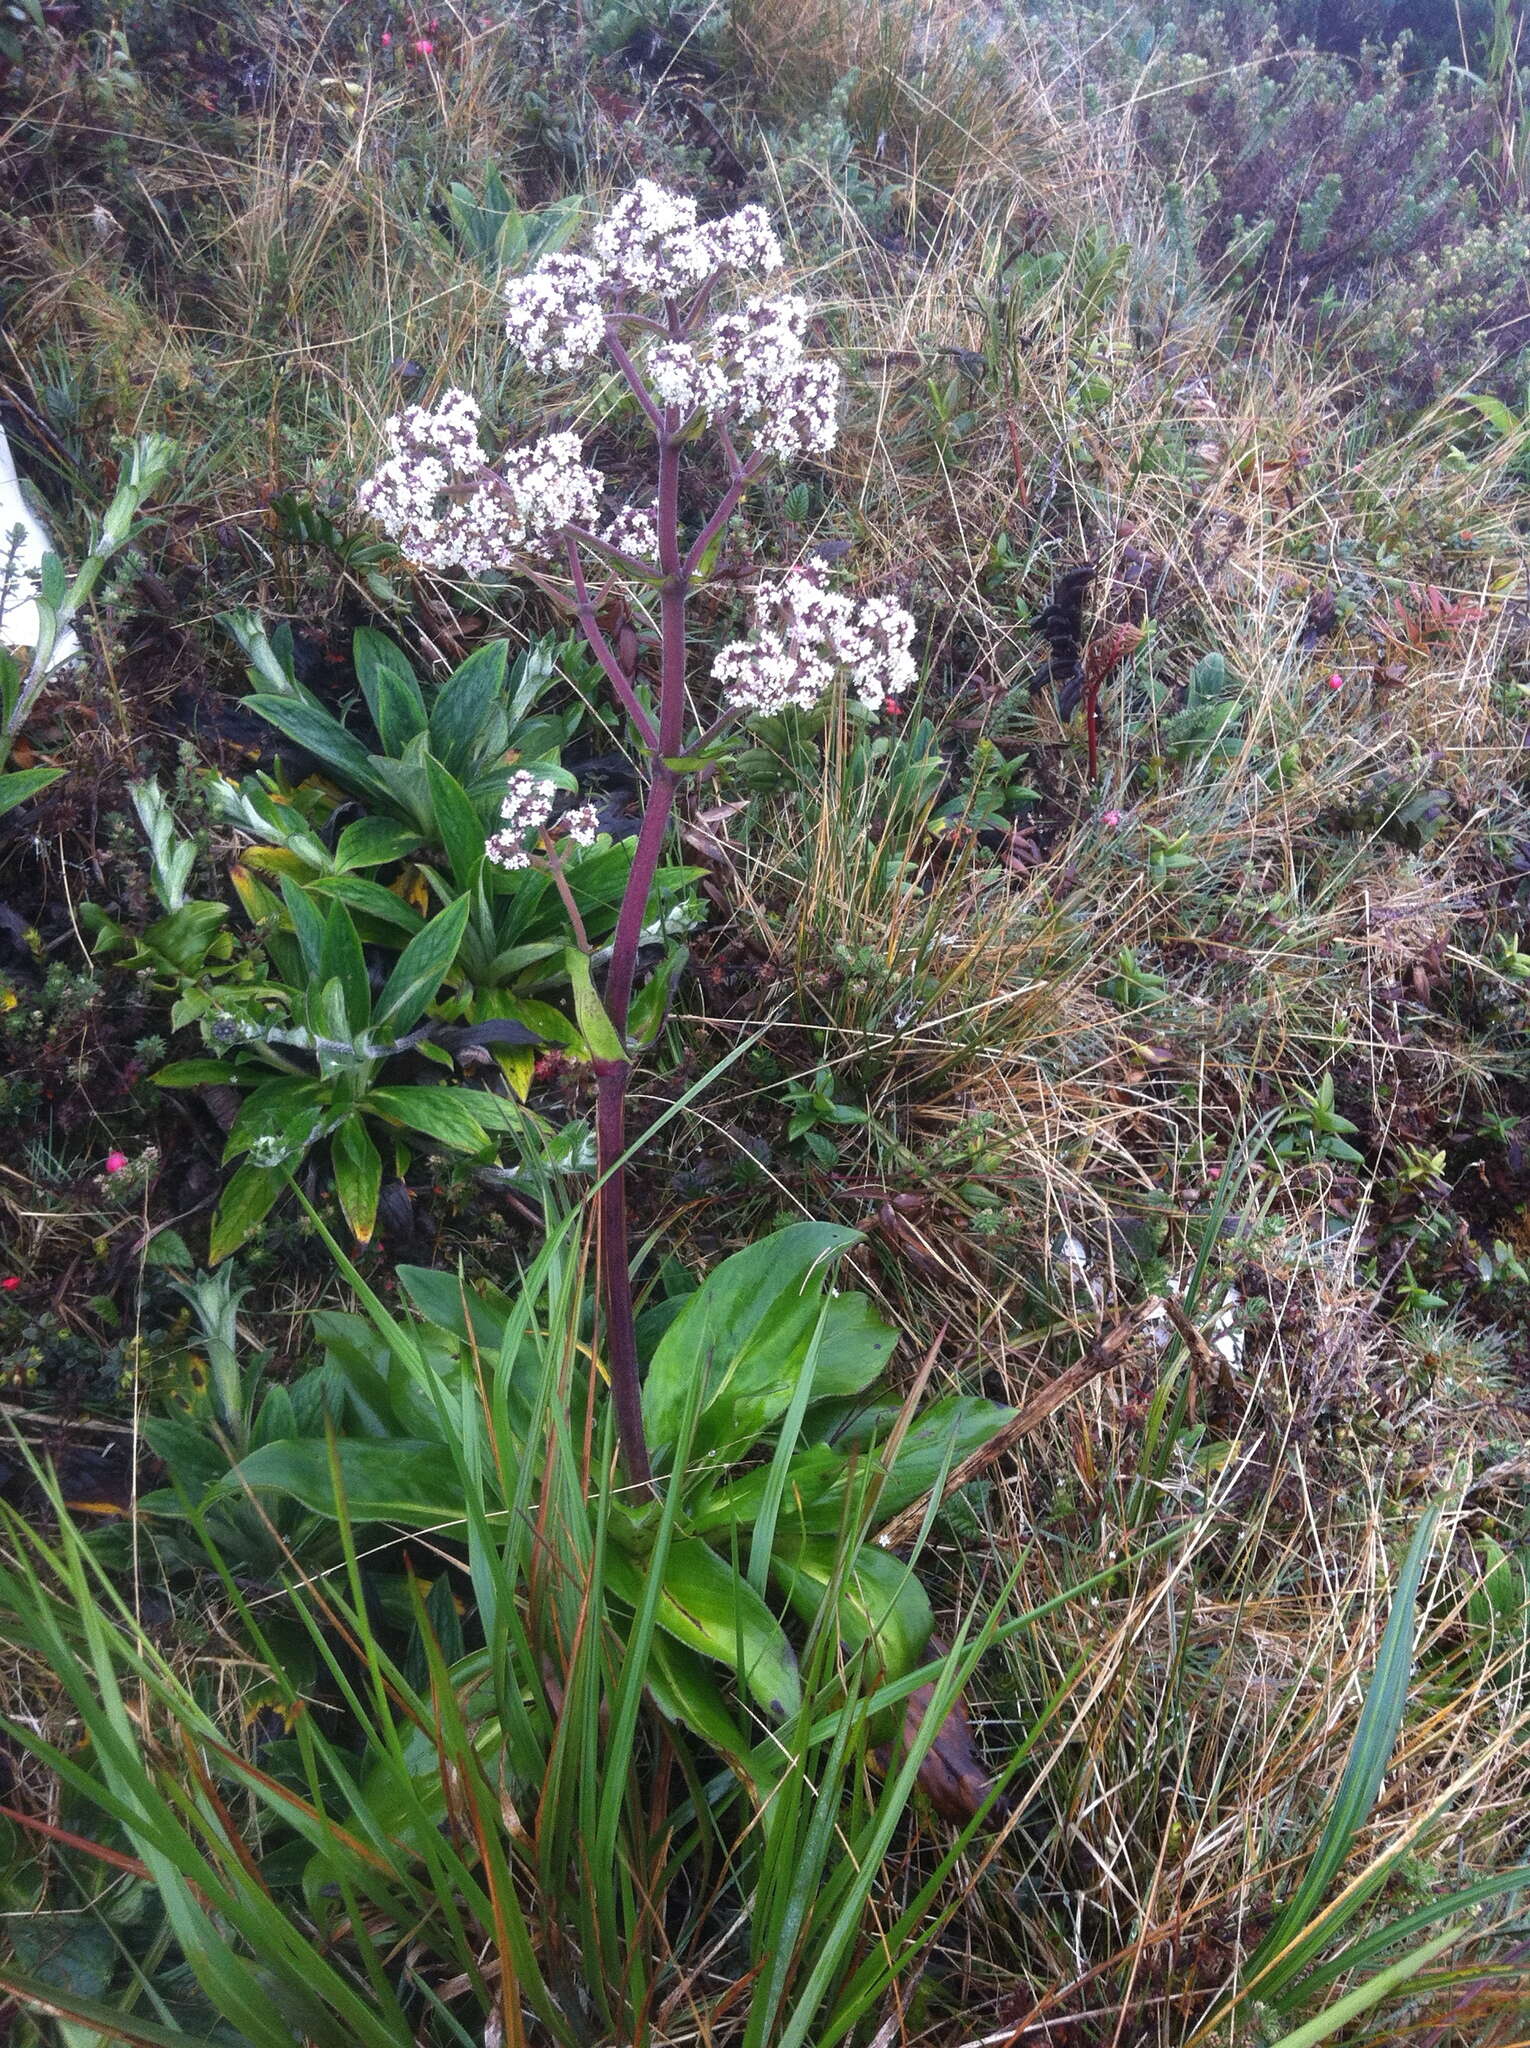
{"x": 612, "y": 1076}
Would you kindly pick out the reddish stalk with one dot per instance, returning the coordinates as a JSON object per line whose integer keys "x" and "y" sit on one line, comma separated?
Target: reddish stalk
{"x": 612, "y": 1076}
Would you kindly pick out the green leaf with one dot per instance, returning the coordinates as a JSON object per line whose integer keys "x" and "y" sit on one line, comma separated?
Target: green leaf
{"x": 686, "y": 1693}
{"x": 341, "y": 960}
{"x": 420, "y": 970}
{"x": 287, "y": 1108}
{"x": 1294, "y": 1939}
{"x": 307, "y": 924}
{"x": 747, "y": 1330}
{"x": 371, "y": 842}
{"x": 194, "y": 1074}
{"x": 182, "y": 938}
{"x": 21, "y": 784}
{"x": 457, "y": 823}
{"x": 370, "y": 898}
{"x": 440, "y": 1113}
{"x": 811, "y": 1505}
{"x": 388, "y": 683}
{"x": 879, "y": 1600}
{"x": 707, "y": 1606}
{"x": 407, "y": 1480}
{"x": 358, "y": 1176}
{"x": 939, "y": 1437}
{"x": 443, "y": 1299}
{"x": 1494, "y": 411}
{"x": 599, "y": 1032}
{"x": 325, "y": 738}
{"x": 462, "y": 725}
{"x": 246, "y": 1202}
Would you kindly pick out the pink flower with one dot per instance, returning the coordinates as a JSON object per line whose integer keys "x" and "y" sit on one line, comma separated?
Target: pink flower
{"x": 115, "y": 1161}
{"x": 424, "y": 47}
{"x": 387, "y": 39}
{"x": 10, "y": 1283}
{"x": 1336, "y": 681}
{"x": 1111, "y": 819}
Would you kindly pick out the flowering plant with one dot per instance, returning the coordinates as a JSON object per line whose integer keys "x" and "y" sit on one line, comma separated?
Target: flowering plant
{"x": 644, "y": 297}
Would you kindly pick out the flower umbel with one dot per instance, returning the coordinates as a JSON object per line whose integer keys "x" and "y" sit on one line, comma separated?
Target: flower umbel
{"x": 528, "y": 805}
{"x": 804, "y": 634}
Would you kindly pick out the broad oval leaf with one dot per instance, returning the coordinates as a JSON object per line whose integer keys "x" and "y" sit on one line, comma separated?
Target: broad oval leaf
{"x": 406, "y": 1480}
{"x": 747, "y": 1331}
{"x": 709, "y": 1607}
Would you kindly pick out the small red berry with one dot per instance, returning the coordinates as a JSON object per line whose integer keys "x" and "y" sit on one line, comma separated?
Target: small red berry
{"x": 10, "y": 1283}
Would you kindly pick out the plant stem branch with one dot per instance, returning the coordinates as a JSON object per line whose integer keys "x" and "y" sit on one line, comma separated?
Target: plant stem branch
{"x": 604, "y": 653}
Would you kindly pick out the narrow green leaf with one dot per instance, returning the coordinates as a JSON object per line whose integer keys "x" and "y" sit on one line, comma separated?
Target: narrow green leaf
{"x": 462, "y": 715}
{"x": 307, "y": 924}
{"x": 388, "y": 684}
{"x": 341, "y": 959}
{"x": 358, "y": 1176}
{"x": 339, "y": 752}
{"x": 420, "y": 970}
{"x": 1299, "y": 1931}
{"x": 457, "y": 823}
{"x": 246, "y": 1202}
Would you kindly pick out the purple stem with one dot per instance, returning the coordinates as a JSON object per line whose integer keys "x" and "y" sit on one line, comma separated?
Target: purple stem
{"x": 727, "y": 505}
{"x": 612, "y": 1076}
{"x": 635, "y": 384}
{"x": 603, "y": 652}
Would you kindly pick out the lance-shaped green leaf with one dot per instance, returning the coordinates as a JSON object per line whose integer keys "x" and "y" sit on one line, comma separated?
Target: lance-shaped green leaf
{"x": 407, "y": 1480}
{"x": 598, "y": 1030}
{"x": 358, "y": 1176}
{"x": 388, "y": 683}
{"x": 420, "y": 970}
{"x": 707, "y": 1606}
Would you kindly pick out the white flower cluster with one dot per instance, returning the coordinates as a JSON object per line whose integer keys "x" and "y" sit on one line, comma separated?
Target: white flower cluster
{"x": 554, "y": 313}
{"x": 428, "y": 495}
{"x": 528, "y": 805}
{"x": 803, "y": 635}
{"x": 650, "y": 242}
{"x": 552, "y": 488}
{"x": 634, "y": 531}
{"x": 438, "y": 499}
{"x": 582, "y": 824}
{"x": 757, "y": 371}
{"x": 678, "y": 376}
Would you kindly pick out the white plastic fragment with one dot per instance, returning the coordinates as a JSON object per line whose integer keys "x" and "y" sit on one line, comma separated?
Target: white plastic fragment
{"x": 19, "y": 572}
